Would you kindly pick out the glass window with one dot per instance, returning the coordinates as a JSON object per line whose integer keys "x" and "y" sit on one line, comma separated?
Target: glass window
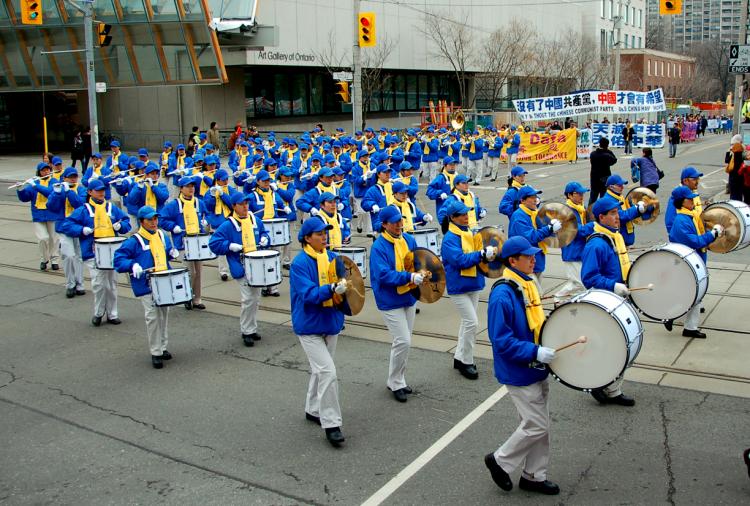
{"x": 192, "y": 9}
{"x": 399, "y": 84}
{"x": 627, "y": 15}
{"x": 147, "y": 62}
{"x": 610, "y": 9}
{"x": 603, "y": 12}
{"x": 299, "y": 94}
{"x": 133, "y": 10}
{"x": 263, "y": 93}
{"x": 164, "y": 10}
{"x": 103, "y": 11}
{"x": 249, "y": 102}
{"x": 423, "y": 91}
{"x": 648, "y": 72}
{"x": 411, "y": 92}
{"x": 316, "y": 94}
{"x": 281, "y": 91}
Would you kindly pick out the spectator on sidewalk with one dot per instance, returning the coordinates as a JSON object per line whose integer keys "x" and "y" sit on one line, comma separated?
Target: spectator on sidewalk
{"x": 213, "y": 137}
{"x": 674, "y": 139}
{"x": 649, "y": 172}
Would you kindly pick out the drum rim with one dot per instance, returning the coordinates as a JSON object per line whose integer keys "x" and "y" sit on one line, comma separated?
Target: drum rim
{"x": 174, "y": 270}
{"x": 353, "y": 249}
{"x": 110, "y": 240}
{"x": 725, "y": 204}
{"x": 261, "y": 253}
{"x": 199, "y": 234}
{"x": 275, "y": 220}
{"x": 421, "y": 231}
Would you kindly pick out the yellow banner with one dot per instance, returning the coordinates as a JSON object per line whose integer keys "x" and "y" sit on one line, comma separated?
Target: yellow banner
{"x": 539, "y": 147}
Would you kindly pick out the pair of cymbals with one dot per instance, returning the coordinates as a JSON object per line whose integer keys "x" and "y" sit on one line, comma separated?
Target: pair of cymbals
{"x": 491, "y": 236}
{"x": 566, "y": 216}
{"x": 719, "y": 214}
{"x": 352, "y": 301}
{"x": 429, "y": 265}
{"x": 650, "y": 199}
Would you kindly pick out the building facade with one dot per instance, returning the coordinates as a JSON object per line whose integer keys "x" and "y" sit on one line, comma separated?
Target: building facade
{"x": 648, "y": 69}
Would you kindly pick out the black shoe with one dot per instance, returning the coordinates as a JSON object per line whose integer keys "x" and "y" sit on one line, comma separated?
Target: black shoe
{"x": 599, "y": 395}
{"x": 55, "y": 267}
{"x": 622, "y": 400}
{"x": 286, "y": 267}
{"x": 70, "y": 293}
{"x": 407, "y": 390}
{"x": 114, "y": 321}
{"x": 255, "y": 336}
{"x": 248, "y": 340}
{"x": 43, "y": 266}
{"x": 165, "y": 355}
{"x": 417, "y": 311}
{"x": 80, "y": 292}
{"x": 359, "y": 230}
{"x": 156, "y": 361}
{"x": 693, "y": 333}
{"x": 703, "y": 310}
{"x": 264, "y": 292}
{"x": 189, "y": 305}
{"x": 668, "y": 325}
{"x": 746, "y": 458}
{"x": 312, "y": 418}
{"x": 400, "y": 395}
{"x": 493, "y": 179}
{"x": 274, "y": 293}
{"x": 499, "y": 476}
{"x": 96, "y": 321}
{"x": 199, "y": 306}
{"x": 543, "y": 487}
{"x": 335, "y": 436}
{"x": 467, "y": 370}
{"x": 224, "y": 277}
{"x": 476, "y": 184}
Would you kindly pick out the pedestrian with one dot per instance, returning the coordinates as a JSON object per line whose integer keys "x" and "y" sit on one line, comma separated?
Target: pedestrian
{"x": 674, "y": 139}
{"x": 745, "y": 173}
{"x": 192, "y": 141}
{"x": 213, "y": 136}
{"x": 734, "y": 158}
{"x": 650, "y": 174}
{"x": 86, "y": 137}
{"x": 601, "y": 160}
{"x": 627, "y": 135}
{"x": 76, "y": 151}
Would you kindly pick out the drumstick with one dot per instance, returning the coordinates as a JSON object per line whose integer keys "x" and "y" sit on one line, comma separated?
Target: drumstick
{"x": 580, "y": 340}
{"x": 648, "y": 287}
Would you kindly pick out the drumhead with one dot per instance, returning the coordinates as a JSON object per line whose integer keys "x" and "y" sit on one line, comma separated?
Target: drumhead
{"x": 275, "y": 220}
{"x": 168, "y": 272}
{"x": 110, "y": 240}
{"x": 266, "y": 253}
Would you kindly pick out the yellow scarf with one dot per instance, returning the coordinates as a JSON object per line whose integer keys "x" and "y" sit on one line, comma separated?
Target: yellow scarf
{"x": 533, "y": 214}
{"x": 468, "y": 200}
{"x": 534, "y": 311}
{"x": 579, "y": 209}
{"x": 400, "y": 251}
{"x": 620, "y": 249}
{"x": 364, "y": 166}
{"x": 450, "y": 149}
{"x": 334, "y": 235}
{"x": 243, "y": 160}
{"x": 165, "y": 157}
{"x": 150, "y": 197}
{"x": 102, "y": 221}
{"x": 290, "y": 154}
{"x": 426, "y": 149}
{"x": 116, "y": 163}
{"x": 472, "y": 146}
{"x": 697, "y": 221}
{"x": 156, "y": 245}
{"x": 625, "y": 206}
{"x": 97, "y": 169}
{"x": 468, "y": 245}
{"x": 326, "y": 275}
{"x": 449, "y": 177}
{"x": 41, "y": 200}
{"x": 204, "y": 187}
{"x": 190, "y": 215}
{"x": 698, "y": 209}
{"x": 68, "y": 207}
{"x": 406, "y": 213}
{"x": 221, "y": 207}
{"x": 268, "y": 210}
{"x": 407, "y": 146}
{"x": 181, "y": 161}
{"x": 387, "y": 189}
{"x": 516, "y": 184}
{"x": 247, "y": 226}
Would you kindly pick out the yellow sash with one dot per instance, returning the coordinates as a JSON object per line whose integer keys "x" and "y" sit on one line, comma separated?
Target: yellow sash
{"x": 449, "y": 177}
{"x": 102, "y": 221}
{"x": 620, "y": 249}
{"x": 326, "y": 275}
{"x": 579, "y": 209}
{"x": 387, "y": 189}
{"x": 268, "y": 210}
{"x": 472, "y": 147}
{"x": 533, "y": 214}
{"x": 190, "y": 215}
{"x": 625, "y": 206}
{"x": 247, "y": 226}
{"x": 181, "y": 161}
{"x": 334, "y": 235}
{"x": 243, "y": 160}
{"x": 156, "y": 245}
{"x": 698, "y": 209}
{"x": 450, "y": 149}
{"x": 534, "y": 311}
{"x": 406, "y": 213}
{"x": 516, "y": 184}
{"x": 221, "y": 207}
{"x": 468, "y": 200}
{"x": 400, "y": 250}
{"x": 468, "y": 245}
{"x": 150, "y": 197}
{"x": 68, "y": 207}
{"x": 697, "y": 222}
{"x": 426, "y": 149}
{"x": 41, "y": 200}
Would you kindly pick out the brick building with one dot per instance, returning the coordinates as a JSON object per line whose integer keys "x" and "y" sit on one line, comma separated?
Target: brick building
{"x": 647, "y": 69}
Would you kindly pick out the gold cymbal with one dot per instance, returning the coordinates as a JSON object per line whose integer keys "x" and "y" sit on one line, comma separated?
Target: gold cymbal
{"x": 353, "y": 300}
{"x": 491, "y": 236}
{"x": 650, "y": 199}
{"x": 425, "y": 261}
{"x": 555, "y": 210}
{"x": 717, "y": 214}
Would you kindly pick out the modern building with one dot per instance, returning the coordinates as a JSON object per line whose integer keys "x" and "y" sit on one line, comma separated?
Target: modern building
{"x": 648, "y": 69}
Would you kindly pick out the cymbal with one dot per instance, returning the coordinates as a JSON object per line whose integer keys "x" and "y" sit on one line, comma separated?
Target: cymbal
{"x": 642, "y": 193}
{"x": 716, "y": 214}
{"x": 425, "y": 261}
{"x": 353, "y": 300}
{"x": 566, "y": 216}
{"x": 491, "y": 236}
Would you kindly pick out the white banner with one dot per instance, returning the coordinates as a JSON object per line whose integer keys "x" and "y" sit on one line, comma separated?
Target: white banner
{"x": 590, "y": 102}
{"x": 645, "y": 136}
{"x": 585, "y": 144}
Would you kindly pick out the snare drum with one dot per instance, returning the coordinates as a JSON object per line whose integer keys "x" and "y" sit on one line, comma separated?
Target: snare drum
{"x": 104, "y": 252}
{"x": 170, "y": 287}
{"x": 262, "y": 268}
{"x": 278, "y": 231}
{"x": 614, "y": 337}
{"x": 427, "y": 238}
{"x": 357, "y": 255}
{"x": 734, "y": 216}
{"x": 679, "y": 276}
{"x": 196, "y": 247}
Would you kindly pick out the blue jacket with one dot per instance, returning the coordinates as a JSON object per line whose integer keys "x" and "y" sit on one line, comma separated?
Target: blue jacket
{"x": 600, "y": 266}
{"x": 230, "y": 232}
{"x": 509, "y": 203}
{"x": 257, "y": 204}
{"x": 478, "y": 149}
{"x": 73, "y": 225}
{"x": 374, "y": 196}
{"x": 513, "y": 347}
{"x": 626, "y": 216}
{"x": 133, "y": 252}
{"x": 171, "y": 216}
{"x": 454, "y": 259}
{"x": 438, "y": 186}
{"x": 137, "y": 197}
{"x": 287, "y": 197}
{"x": 359, "y": 182}
{"x": 413, "y": 186}
{"x": 172, "y": 166}
{"x": 108, "y": 162}
{"x": 414, "y": 155}
{"x": 520, "y": 224}
{"x": 670, "y": 214}
{"x": 28, "y": 193}
{"x": 513, "y": 144}
{"x": 310, "y": 199}
{"x": 215, "y": 220}
{"x": 104, "y": 172}
{"x": 683, "y": 231}
{"x": 495, "y": 148}
{"x": 385, "y": 278}
{"x": 573, "y": 252}
{"x": 433, "y": 147}
{"x": 56, "y": 203}
{"x": 307, "y": 298}
{"x": 476, "y": 205}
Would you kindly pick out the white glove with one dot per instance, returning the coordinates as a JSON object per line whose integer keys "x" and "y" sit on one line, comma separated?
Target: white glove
{"x": 88, "y": 230}
{"x": 370, "y": 173}
{"x": 235, "y": 248}
{"x": 621, "y": 290}
{"x": 177, "y": 229}
{"x": 58, "y": 188}
{"x": 66, "y": 187}
{"x": 174, "y": 253}
{"x": 287, "y": 210}
{"x": 148, "y": 181}
{"x": 641, "y": 207}
{"x": 264, "y": 241}
{"x": 274, "y": 186}
{"x": 556, "y": 225}
{"x": 545, "y": 355}
{"x": 204, "y": 223}
{"x": 137, "y": 270}
{"x": 340, "y": 206}
{"x": 340, "y": 287}
{"x": 117, "y": 226}
{"x": 94, "y": 175}
{"x": 301, "y": 170}
{"x": 538, "y": 201}
{"x": 443, "y": 196}
{"x": 482, "y": 214}
{"x": 216, "y": 190}
{"x": 375, "y": 208}
{"x": 717, "y": 230}
{"x": 489, "y": 253}
{"x": 427, "y": 218}
{"x": 417, "y": 278}
{"x": 314, "y": 211}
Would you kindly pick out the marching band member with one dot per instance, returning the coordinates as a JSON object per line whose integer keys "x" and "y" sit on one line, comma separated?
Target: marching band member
{"x": 242, "y": 233}
{"x": 391, "y": 287}
{"x": 413, "y": 150}
{"x": 493, "y": 153}
{"x": 149, "y": 191}
{"x": 186, "y": 215}
{"x": 66, "y": 197}
{"x": 515, "y": 319}
{"x": 513, "y": 145}
{"x": 463, "y": 279}
{"x": 461, "y": 192}
{"x": 441, "y": 187}
{"x": 411, "y": 214}
{"x": 116, "y": 162}
{"x": 207, "y": 174}
{"x": 164, "y": 160}
{"x": 148, "y": 249}
{"x": 405, "y": 175}
{"x": 691, "y": 178}
{"x": 317, "y": 324}
{"x": 97, "y": 219}
{"x": 605, "y": 265}
{"x": 125, "y": 185}
{"x": 379, "y": 195}
{"x": 179, "y": 166}
{"x": 509, "y": 202}
{"x": 285, "y": 190}
{"x": 309, "y": 201}
{"x": 339, "y": 233}
{"x": 688, "y": 229}
{"x": 239, "y": 158}
{"x": 572, "y": 252}
{"x": 361, "y": 178}
{"x": 266, "y": 204}
{"x": 218, "y": 209}
{"x": 474, "y": 164}
{"x": 96, "y": 170}
{"x": 523, "y": 223}
{"x": 36, "y": 191}
{"x": 430, "y": 151}
{"x": 57, "y": 168}
{"x": 628, "y": 212}
{"x": 344, "y": 192}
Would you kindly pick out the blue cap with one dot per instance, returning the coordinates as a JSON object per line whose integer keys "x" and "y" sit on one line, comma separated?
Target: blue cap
{"x": 690, "y": 172}
{"x": 56, "y": 160}
{"x": 286, "y": 171}
{"x": 325, "y": 172}
{"x": 312, "y": 225}
{"x": 198, "y": 158}
{"x": 42, "y": 165}
{"x": 202, "y": 136}
{"x": 294, "y": 142}
{"x": 363, "y": 152}
{"x": 454, "y": 207}
{"x": 185, "y": 180}
{"x": 518, "y": 171}
{"x": 262, "y": 175}
{"x": 461, "y": 178}
{"x": 683, "y": 192}
{"x": 383, "y": 168}
{"x": 442, "y": 130}
{"x": 168, "y": 144}
{"x": 338, "y": 171}
{"x": 405, "y": 166}
{"x": 180, "y": 146}
{"x": 97, "y": 155}
{"x": 411, "y": 132}
{"x": 238, "y": 197}
{"x": 603, "y": 206}
{"x": 213, "y": 160}
{"x": 527, "y": 191}
{"x": 96, "y": 184}
{"x": 143, "y": 152}
{"x": 575, "y": 187}
{"x": 139, "y": 165}
{"x": 221, "y": 175}
{"x": 146, "y": 213}
{"x": 151, "y": 167}
{"x": 448, "y": 159}
{"x": 399, "y": 187}
{"x": 114, "y": 144}
{"x": 242, "y": 144}
{"x": 369, "y": 129}
{"x": 132, "y": 160}
{"x": 615, "y": 179}
{"x": 390, "y": 214}
{"x": 209, "y": 146}
{"x": 269, "y": 162}
{"x": 316, "y": 157}
{"x": 329, "y": 159}
{"x": 336, "y": 144}
{"x": 326, "y": 196}
{"x": 518, "y": 245}
{"x": 69, "y": 171}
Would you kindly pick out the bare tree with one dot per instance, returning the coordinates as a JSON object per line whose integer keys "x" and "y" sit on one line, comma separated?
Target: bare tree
{"x": 712, "y": 69}
{"x": 374, "y": 79}
{"x": 332, "y": 57}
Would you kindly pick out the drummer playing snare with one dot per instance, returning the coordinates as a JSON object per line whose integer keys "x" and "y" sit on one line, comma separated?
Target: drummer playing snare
{"x": 605, "y": 265}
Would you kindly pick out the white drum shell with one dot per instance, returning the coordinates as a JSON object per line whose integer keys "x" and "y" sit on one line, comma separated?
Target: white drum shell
{"x": 742, "y": 212}
{"x": 262, "y": 268}
{"x": 196, "y": 247}
{"x": 278, "y": 231}
{"x": 104, "y": 252}
{"x": 170, "y": 287}
{"x": 357, "y": 255}
{"x": 427, "y": 238}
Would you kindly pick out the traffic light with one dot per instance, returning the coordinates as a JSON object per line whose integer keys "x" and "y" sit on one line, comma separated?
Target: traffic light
{"x": 366, "y": 29}
{"x": 31, "y": 12}
{"x": 342, "y": 90}
{"x": 668, "y": 7}
{"x": 104, "y": 37}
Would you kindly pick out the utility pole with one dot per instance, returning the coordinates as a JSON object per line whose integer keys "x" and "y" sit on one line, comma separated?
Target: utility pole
{"x": 356, "y": 91}
{"x": 739, "y": 78}
{"x": 88, "y": 32}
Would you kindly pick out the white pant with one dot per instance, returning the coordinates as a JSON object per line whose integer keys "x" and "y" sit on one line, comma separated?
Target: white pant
{"x": 529, "y": 443}
{"x": 157, "y": 318}
{"x": 223, "y": 265}
{"x": 693, "y": 317}
{"x": 614, "y": 389}
{"x": 104, "y": 287}
{"x": 47, "y": 239}
{"x": 485, "y": 164}
{"x": 493, "y": 167}
{"x": 363, "y": 217}
{"x": 297, "y": 195}
{"x": 195, "y": 268}
{"x": 249, "y": 302}
{"x": 511, "y": 162}
{"x": 474, "y": 170}
{"x": 323, "y": 390}
{"x": 400, "y": 323}
{"x": 430, "y": 169}
{"x": 70, "y": 251}
{"x": 574, "y": 283}
{"x": 466, "y": 303}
